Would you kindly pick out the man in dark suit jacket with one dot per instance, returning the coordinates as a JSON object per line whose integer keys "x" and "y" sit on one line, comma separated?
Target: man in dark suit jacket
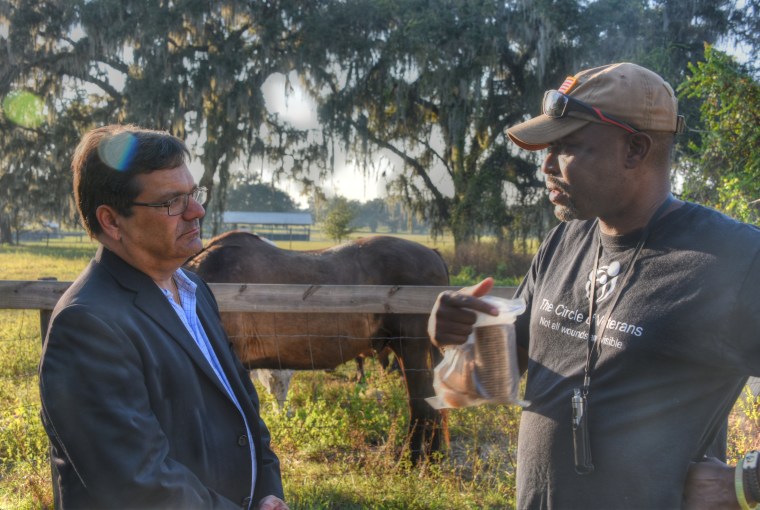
{"x": 143, "y": 399}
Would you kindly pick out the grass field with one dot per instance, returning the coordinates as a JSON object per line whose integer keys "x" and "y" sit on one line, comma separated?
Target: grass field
{"x": 342, "y": 444}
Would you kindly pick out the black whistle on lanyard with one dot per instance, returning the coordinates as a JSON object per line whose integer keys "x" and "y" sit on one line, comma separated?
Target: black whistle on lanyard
{"x": 581, "y": 443}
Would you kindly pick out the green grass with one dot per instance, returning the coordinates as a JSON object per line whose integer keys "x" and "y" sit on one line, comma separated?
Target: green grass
{"x": 63, "y": 259}
{"x": 24, "y": 471}
{"x": 342, "y": 445}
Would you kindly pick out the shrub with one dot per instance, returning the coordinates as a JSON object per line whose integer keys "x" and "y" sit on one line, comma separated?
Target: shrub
{"x": 471, "y": 262}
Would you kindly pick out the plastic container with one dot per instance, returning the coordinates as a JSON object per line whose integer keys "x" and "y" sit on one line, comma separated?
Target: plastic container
{"x": 484, "y": 369}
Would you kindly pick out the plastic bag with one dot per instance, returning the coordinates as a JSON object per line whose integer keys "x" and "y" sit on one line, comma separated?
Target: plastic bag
{"x": 484, "y": 369}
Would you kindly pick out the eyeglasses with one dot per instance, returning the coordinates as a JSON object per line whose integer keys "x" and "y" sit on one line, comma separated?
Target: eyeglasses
{"x": 556, "y": 105}
{"x": 178, "y": 205}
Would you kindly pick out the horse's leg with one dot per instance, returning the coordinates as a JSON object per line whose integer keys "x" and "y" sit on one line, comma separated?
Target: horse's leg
{"x": 360, "y": 378}
{"x": 417, "y": 358}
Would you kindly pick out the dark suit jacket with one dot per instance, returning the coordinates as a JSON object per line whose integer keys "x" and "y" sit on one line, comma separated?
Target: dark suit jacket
{"x": 134, "y": 412}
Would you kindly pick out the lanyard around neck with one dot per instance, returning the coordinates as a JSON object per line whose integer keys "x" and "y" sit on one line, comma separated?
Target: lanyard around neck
{"x": 592, "y": 344}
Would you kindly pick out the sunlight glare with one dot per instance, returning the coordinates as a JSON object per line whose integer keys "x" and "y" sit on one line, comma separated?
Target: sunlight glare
{"x": 118, "y": 151}
{"x": 24, "y": 108}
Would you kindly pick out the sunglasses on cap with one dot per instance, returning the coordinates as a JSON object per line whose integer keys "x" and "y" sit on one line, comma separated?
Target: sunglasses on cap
{"x": 557, "y": 105}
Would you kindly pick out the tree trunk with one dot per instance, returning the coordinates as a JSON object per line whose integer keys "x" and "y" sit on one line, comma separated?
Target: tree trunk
{"x": 6, "y": 235}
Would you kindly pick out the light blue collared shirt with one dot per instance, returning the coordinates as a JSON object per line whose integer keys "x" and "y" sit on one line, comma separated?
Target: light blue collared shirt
{"x": 189, "y": 317}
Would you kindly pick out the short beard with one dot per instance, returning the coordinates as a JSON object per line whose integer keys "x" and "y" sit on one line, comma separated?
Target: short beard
{"x": 563, "y": 212}
{"x": 566, "y": 212}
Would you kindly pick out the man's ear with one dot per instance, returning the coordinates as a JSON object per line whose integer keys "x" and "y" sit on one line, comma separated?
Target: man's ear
{"x": 109, "y": 221}
{"x": 639, "y": 146}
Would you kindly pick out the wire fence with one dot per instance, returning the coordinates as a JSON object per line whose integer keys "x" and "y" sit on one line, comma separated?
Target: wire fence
{"x": 21, "y": 343}
{"x": 346, "y": 317}
{"x": 23, "y": 444}
{"x": 329, "y": 404}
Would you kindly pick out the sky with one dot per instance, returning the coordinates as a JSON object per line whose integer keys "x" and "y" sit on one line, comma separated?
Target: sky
{"x": 300, "y": 111}
{"x": 348, "y": 181}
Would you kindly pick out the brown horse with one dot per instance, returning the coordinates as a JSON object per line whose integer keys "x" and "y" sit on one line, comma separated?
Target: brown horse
{"x": 324, "y": 341}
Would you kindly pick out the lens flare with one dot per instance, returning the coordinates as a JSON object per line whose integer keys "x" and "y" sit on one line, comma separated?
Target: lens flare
{"x": 24, "y": 109}
{"x": 118, "y": 151}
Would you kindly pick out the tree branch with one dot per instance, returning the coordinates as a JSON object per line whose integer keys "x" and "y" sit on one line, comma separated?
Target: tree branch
{"x": 419, "y": 170}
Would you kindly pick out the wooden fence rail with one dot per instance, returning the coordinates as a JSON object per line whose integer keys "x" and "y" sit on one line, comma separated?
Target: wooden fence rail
{"x": 246, "y": 297}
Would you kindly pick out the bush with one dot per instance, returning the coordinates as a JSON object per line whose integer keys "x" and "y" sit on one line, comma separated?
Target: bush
{"x": 471, "y": 262}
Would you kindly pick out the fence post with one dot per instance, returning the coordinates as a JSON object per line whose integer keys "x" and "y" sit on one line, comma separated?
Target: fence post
{"x": 44, "y": 324}
{"x": 45, "y": 314}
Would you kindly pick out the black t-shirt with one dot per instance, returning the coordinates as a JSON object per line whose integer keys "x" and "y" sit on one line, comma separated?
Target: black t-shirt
{"x": 674, "y": 356}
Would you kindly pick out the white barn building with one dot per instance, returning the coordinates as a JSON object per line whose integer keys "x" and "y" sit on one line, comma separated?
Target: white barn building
{"x": 276, "y": 226}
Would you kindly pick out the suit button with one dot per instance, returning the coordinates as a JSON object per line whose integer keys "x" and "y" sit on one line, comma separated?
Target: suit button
{"x": 243, "y": 440}
{"x": 246, "y": 502}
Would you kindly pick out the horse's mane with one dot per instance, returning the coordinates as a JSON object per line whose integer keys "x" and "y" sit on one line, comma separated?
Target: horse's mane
{"x": 223, "y": 236}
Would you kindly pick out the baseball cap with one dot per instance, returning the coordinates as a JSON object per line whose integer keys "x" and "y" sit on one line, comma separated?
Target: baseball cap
{"x": 626, "y": 91}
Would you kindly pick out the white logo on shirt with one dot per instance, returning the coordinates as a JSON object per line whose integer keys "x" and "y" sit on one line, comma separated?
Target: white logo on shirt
{"x": 606, "y": 281}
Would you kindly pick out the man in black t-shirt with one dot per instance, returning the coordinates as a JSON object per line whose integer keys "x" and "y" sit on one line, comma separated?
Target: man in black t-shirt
{"x": 643, "y": 312}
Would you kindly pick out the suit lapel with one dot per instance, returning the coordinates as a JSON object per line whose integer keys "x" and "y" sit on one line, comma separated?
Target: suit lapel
{"x": 151, "y": 301}
{"x": 218, "y": 339}
{"x": 208, "y": 314}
